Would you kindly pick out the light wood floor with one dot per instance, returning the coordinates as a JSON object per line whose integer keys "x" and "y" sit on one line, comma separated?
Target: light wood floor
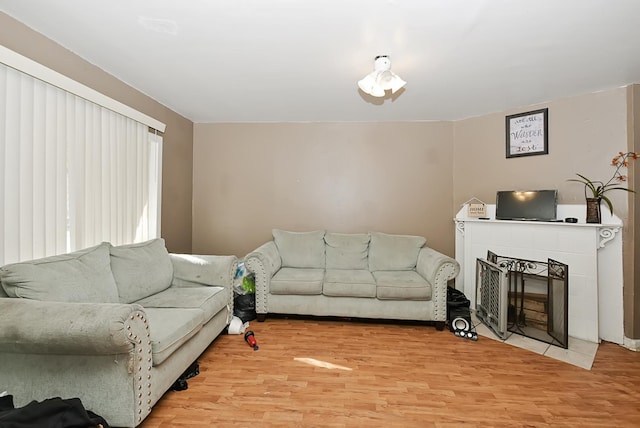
{"x": 335, "y": 373}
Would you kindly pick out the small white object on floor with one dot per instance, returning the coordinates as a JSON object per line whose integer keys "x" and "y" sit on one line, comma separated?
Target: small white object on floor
{"x": 3, "y": 393}
{"x": 236, "y": 326}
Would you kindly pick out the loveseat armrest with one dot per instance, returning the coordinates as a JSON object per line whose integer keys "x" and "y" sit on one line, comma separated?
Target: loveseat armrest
{"x": 263, "y": 263}
{"x": 437, "y": 269}
{"x": 38, "y": 327}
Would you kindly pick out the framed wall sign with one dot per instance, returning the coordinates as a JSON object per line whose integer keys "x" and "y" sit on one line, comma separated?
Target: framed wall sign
{"x": 527, "y": 133}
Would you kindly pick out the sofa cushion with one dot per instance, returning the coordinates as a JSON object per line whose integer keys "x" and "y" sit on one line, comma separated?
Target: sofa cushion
{"x": 300, "y": 249}
{"x": 82, "y": 276}
{"x": 210, "y": 299}
{"x": 394, "y": 252}
{"x": 401, "y": 285}
{"x": 170, "y": 328}
{"x": 349, "y": 282}
{"x": 297, "y": 281}
{"x": 347, "y": 250}
{"x": 141, "y": 270}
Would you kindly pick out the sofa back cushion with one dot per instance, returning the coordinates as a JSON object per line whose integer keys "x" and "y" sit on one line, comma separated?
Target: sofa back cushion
{"x": 394, "y": 252}
{"x": 347, "y": 250}
{"x": 83, "y": 276}
{"x": 141, "y": 270}
{"x": 300, "y": 249}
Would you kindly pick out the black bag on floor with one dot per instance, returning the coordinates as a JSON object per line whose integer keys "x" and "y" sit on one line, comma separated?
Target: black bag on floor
{"x": 52, "y": 412}
{"x": 244, "y": 306}
{"x": 457, "y": 307}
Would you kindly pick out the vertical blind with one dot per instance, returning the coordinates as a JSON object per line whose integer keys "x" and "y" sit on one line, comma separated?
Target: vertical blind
{"x": 72, "y": 173}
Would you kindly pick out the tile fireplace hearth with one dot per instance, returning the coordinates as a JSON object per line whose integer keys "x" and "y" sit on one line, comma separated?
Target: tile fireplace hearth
{"x": 580, "y": 353}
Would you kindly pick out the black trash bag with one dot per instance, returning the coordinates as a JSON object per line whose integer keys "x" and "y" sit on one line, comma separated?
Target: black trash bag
{"x": 244, "y": 306}
{"x": 457, "y": 298}
{"x": 64, "y": 413}
{"x": 457, "y": 306}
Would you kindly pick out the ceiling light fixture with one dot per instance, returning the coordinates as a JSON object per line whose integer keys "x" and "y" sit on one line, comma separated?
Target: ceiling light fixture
{"x": 381, "y": 79}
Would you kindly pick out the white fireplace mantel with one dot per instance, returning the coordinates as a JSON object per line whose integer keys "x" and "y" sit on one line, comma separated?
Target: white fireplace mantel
{"x": 592, "y": 251}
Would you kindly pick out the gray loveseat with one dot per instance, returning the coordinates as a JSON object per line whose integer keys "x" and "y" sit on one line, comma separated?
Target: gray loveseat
{"x": 113, "y": 326}
{"x": 360, "y": 275}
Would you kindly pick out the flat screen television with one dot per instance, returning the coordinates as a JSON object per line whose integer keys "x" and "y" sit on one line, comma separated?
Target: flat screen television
{"x": 533, "y": 205}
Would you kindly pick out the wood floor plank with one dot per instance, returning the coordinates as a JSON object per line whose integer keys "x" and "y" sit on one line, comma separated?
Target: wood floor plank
{"x": 341, "y": 373}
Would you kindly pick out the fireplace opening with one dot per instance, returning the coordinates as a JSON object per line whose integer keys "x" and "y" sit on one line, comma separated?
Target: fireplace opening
{"x": 522, "y": 296}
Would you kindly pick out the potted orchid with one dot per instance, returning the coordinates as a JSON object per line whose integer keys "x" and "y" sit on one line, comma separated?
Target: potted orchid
{"x": 597, "y": 189}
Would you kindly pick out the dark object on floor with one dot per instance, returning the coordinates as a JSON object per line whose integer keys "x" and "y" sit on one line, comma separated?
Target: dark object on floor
{"x": 458, "y": 313}
{"x": 181, "y": 383}
{"x": 192, "y": 370}
{"x": 50, "y": 413}
{"x": 244, "y": 306}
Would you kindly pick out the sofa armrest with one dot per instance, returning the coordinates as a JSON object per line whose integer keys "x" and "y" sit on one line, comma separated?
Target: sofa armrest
{"x": 263, "y": 263}
{"x": 437, "y": 269}
{"x": 37, "y": 327}
{"x": 190, "y": 270}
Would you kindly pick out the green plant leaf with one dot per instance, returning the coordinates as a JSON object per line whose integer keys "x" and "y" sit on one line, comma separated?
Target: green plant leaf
{"x": 621, "y": 188}
{"x": 608, "y": 202}
{"x": 588, "y": 184}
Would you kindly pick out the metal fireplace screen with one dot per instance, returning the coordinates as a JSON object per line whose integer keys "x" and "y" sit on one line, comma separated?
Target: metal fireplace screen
{"x": 525, "y": 297}
{"x": 492, "y": 296}
{"x": 558, "y": 289}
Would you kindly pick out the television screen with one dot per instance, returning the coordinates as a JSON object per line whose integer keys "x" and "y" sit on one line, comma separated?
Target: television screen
{"x": 535, "y": 205}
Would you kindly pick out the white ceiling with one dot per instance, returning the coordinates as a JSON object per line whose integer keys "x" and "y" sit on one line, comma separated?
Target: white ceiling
{"x": 299, "y": 60}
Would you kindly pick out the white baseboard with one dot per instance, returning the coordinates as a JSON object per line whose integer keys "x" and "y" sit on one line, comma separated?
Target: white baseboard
{"x": 633, "y": 344}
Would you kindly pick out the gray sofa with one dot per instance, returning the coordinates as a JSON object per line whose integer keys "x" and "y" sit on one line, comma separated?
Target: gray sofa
{"x": 113, "y": 326}
{"x": 360, "y": 275}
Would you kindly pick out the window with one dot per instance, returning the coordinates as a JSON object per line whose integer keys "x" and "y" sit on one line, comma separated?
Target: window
{"x": 72, "y": 173}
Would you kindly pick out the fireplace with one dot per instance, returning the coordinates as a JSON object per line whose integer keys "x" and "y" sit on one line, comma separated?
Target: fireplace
{"x": 594, "y": 252}
{"x": 526, "y": 297}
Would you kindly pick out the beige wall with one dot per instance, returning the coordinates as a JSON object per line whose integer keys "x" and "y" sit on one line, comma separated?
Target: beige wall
{"x": 585, "y": 132}
{"x": 178, "y": 139}
{"x": 342, "y": 177}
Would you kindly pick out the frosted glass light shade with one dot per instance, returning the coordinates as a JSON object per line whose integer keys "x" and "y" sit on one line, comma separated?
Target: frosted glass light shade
{"x": 381, "y": 79}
